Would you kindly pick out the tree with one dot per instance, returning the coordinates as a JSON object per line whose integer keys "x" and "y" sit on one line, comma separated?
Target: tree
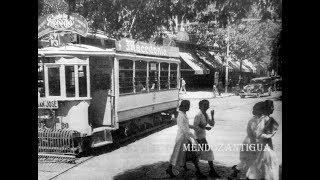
{"x": 252, "y": 40}
{"x": 142, "y": 19}
{"x": 51, "y": 6}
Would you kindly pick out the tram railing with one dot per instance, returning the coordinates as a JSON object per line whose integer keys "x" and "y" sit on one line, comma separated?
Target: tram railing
{"x": 61, "y": 142}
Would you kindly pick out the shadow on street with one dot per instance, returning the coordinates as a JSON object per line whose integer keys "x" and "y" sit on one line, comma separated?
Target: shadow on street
{"x": 157, "y": 171}
{"x": 114, "y": 146}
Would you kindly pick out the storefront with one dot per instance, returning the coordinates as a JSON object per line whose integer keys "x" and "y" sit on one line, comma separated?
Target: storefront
{"x": 195, "y": 72}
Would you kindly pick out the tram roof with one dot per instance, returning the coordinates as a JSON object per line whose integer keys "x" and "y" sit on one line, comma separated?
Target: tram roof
{"x": 75, "y": 49}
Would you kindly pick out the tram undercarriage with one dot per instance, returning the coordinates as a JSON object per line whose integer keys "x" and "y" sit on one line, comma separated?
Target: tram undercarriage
{"x": 142, "y": 125}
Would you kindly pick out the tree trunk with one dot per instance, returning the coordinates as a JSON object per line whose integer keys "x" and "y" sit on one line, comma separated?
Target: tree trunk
{"x": 130, "y": 30}
{"x": 240, "y": 68}
{"x": 240, "y": 75}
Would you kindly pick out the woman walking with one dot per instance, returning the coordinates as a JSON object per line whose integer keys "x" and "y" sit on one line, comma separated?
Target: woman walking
{"x": 201, "y": 120}
{"x": 184, "y": 137}
{"x": 266, "y": 165}
{"x": 247, "y": 157}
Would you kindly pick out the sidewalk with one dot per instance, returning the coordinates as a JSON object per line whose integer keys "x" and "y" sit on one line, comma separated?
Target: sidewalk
{"x": 202, "y": 95}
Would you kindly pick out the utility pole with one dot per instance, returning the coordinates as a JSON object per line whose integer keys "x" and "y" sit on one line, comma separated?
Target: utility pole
{"x": 227, "y": 61}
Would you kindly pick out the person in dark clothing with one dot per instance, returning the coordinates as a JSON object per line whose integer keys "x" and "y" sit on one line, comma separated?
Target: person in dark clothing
{"x": 220, "y": 87}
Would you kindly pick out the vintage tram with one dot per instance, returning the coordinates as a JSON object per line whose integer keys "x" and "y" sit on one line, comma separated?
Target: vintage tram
{"x": 90, "y": 96}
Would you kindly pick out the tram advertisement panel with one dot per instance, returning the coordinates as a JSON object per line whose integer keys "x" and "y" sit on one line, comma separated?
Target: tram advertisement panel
{"x": 129, "y": 45}
{"x": 62, "y": 22}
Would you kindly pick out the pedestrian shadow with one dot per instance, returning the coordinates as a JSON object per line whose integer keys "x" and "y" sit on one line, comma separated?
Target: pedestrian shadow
{"x": 157, "y": 171}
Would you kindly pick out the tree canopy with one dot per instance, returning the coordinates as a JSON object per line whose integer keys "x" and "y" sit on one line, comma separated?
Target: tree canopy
{"x": 253, "y": 40}
{"x": 142, "y": 19}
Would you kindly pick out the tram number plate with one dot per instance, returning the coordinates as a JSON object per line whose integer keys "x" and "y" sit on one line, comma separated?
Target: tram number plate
{"x": 47, "y": 104}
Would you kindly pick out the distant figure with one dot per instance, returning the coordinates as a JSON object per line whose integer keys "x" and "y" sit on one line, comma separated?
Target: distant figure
{"x": 183, "y": 85}
{"x": 153, "y": 86}
{"x": 220, "y": 87}
{"x": 139, "y": 87}
{"x": 215, "y": 90}
{"x": 240, "y": 82}
{"x": 230, "y": 85}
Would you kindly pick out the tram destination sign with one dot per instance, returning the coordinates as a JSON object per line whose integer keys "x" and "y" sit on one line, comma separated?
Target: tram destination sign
{"x": 138, "y": 47}
{"x": 62, "y": 22}
{"x": 47, "y": 103}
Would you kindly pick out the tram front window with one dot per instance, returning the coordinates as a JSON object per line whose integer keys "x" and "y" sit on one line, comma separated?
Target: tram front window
{"x": 54, "y": 81}
{"x": 82, "y": 75}
{"x": 70, "y": 81}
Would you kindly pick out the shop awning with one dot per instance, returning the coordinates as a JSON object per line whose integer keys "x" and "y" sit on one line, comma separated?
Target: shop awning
{"x": 195, "y": 64}
{"x": 250, "y": 65}
{"x": 244, "y": 68}
{"x": 217, "y": 58}
{"x": 207, "y": 58}
{"x": 233, "y": 65}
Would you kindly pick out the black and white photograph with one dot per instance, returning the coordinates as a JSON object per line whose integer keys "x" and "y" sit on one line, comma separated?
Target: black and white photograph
{"x": 160, "y": 89}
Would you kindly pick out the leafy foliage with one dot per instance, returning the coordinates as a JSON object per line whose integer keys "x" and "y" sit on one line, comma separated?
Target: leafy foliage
{"x": 253, "y": 40}
{"x": 142, "y": 19}
{"x": 51, "y": 6}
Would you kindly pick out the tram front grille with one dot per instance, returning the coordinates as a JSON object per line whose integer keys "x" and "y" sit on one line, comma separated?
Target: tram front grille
{"x": 64, "y": 142}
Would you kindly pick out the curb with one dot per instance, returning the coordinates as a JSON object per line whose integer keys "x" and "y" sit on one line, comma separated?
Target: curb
{"x": 210, "y": 97}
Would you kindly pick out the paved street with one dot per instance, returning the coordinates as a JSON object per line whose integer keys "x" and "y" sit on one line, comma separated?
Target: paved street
{"x": 148, "y": 157}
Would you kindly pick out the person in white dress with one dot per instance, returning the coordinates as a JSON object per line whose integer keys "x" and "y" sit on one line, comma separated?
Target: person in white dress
{"x": 247, "y": 156}
{"x": 266, "y": 165}
{"x": 183, "y": 86}
{"x": 201, "y": 120}
{"x": 180, "y": 156}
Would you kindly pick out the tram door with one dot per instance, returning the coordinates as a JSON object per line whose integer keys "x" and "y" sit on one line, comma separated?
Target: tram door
{"x": 101, "y": 110}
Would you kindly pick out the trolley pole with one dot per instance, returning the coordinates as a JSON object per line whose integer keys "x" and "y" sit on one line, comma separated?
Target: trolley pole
{"x": 227, "y": 61}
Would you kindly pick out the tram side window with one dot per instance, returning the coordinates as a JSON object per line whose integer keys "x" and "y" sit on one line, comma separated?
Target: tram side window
{"x": 173, "y": 75}
{"x": 82, "y": 75}
{"x": 70, "y": 81}
{"x": 41, "y": 89}
{"x": 125, "y": 76}
{"x": 164, "y": 72}
{"x": 153, "y": 76}
{"x": 54, "y": 81}
{"x": 140, "y": 76}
